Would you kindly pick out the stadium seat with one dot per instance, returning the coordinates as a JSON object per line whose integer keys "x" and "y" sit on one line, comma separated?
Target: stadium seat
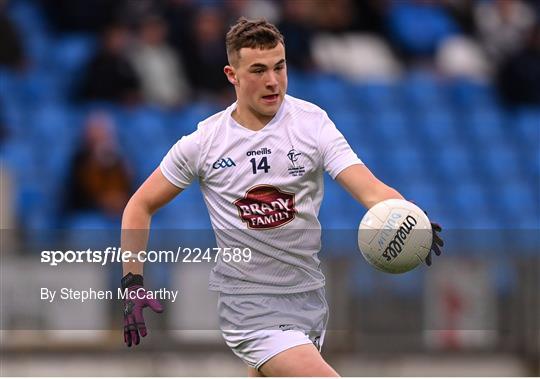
{"x": 421, "y": 90}
{"x": 426, "y": 195}
{"x": 327, "y": 90}
{"x": 470, "y": 94}
{"x": 452, "y": 164}
{"x": 418, "y": 28}
{"x": 52, "y": 124}
{"x": 68, "y": 58}
{"x": 32, "y": 28}
{"x": 436, "y": 127}
{"x": 391, "y": 128}
{"x": 474, "y": 206}
{"x": 501, "y": 162}
{"x": 485, "y": 126}
{"x": 407, "y": 164}
{"x": 520, "y": 204}
{"x": 350, "y": 124}
{"x": 71, "y": 52}
{"x": 298, "y": 84}
{"x": 142, "y": 129}
{"x": 374, "y": 96}
{"x": 185, "y": 121}
{"x": 526, "y": 124}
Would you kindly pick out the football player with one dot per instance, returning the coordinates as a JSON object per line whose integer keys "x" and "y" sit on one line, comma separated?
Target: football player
{"x": 260, "y": 164}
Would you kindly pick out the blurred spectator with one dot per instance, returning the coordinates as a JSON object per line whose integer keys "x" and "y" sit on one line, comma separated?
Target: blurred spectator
{"x": 419, "y": 26}
{"x": 298, "y": 34}
{"x": 80, "y": 16}
{"x": 462, "y": 11}
{"x": 519, "y": 76}
{"x": 109, "y": 75}
{"x": 503, "y": 25}
{"x": 99, "y": 179}
{"x": 207, "y": 56}
{"x": 11, "y": 49}
{"x": 176, "y": 13}
{"x": 162, "y": 75}
{"x": 267, "y": 9}
{"x": 335, "y": 16}
{"x": 369, "y": 15}
{"x": 463, "y": 57}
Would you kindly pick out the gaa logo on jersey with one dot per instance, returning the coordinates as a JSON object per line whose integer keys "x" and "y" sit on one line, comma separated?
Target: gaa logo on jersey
{"x": 223, "y": 163}
{"x": 266, "y": 207}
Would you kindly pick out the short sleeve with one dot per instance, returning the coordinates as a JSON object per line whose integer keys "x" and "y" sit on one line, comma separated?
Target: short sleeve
{"x": 180, "y": 165}
{"x": 336, "y": 153}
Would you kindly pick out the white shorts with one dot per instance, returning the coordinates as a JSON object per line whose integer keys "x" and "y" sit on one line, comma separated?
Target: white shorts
{"x": 258, "y": 327}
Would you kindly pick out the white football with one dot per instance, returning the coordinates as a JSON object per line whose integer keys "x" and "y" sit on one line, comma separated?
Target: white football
{"x": 395, "y": 236}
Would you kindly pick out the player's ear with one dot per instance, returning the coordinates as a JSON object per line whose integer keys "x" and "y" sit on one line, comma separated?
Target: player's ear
{"x": 231, "y": 75}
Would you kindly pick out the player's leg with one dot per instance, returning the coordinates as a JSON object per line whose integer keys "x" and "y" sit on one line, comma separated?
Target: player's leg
{"x": 302, "y": 360}
{"x": 252, "y": 372}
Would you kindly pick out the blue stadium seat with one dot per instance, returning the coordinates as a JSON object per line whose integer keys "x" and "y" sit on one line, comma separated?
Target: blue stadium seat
{"x": 418, "y": 28}
{"x": 520, "y": 202}
{"x": 501, "y": 162}
{"x": 485, "y": 125}
{"x": 374, "y": 96}
{"x": 71, "y": 52}
{"x": 184, "y": 122}
{"x": 473, "y": 205}
{"x": 426, "y": 195}
{"x": 20, "y": 159}
{"x": 407, "y": 164}
{"x": 26, "y": 89}
{"x": 13, "y": 118}
{"x": 52, "y": 124}
{"x": 143, "y": 128}
{"x": 421, "y": 91}
{"x": 452, "y": 164}
{"x": 187, "y": 212}
{"x": 339, "y": 211}
{"x": 436, "y": 127}
{"x": 350, "y": 124}
{"x": 327, "y": 90}
{"x": 84, "y": 221}
{"x": 32, "y": 28}
{"x": 471, "y": 94}
{"x": 391, "y": 128}
{"x": 298, "y": 84}
{"x": 68, "y": 58}
{"x": 526, "y": 124}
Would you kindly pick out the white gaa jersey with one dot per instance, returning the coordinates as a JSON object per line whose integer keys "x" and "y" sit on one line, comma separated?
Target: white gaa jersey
{"x": 263, "y": 190}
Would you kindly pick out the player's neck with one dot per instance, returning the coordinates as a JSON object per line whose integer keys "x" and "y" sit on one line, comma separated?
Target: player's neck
{"x": 250, "y": 120}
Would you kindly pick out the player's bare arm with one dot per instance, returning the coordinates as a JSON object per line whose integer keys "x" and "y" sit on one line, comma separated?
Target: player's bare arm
{"x": 360, "y": 182}
{"x": 154, "y": 193}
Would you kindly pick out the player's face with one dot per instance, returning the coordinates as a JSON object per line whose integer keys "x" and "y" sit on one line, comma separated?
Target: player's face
{"x": 261, "y": 80}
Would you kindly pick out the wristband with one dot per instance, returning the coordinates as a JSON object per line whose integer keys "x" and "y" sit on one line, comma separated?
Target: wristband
{"x": 131, "y": 280}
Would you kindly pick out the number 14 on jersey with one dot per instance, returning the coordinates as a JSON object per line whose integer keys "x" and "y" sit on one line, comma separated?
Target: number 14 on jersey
{"x": 262, "y": 165}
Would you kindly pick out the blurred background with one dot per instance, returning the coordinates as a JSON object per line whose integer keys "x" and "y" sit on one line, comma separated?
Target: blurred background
{"x": 441, "y": 99}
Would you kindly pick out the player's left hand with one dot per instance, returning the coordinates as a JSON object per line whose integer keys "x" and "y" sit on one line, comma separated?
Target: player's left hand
{"x": 134, "y": 325}
{"x": 436, "y": 243}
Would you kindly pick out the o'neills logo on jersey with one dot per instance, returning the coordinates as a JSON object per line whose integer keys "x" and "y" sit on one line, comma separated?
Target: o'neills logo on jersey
{"x": 266, "y": 207}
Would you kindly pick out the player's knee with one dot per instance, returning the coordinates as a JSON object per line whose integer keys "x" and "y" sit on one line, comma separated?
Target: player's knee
{"x": 252, "y": 372}
{"x": 303, "y": 360}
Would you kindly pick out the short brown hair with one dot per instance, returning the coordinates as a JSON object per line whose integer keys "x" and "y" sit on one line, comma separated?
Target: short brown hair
{"x": 252, "y": 34}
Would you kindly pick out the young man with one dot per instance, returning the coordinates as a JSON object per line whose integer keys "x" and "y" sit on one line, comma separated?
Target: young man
{"x": 260, "y": 164}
